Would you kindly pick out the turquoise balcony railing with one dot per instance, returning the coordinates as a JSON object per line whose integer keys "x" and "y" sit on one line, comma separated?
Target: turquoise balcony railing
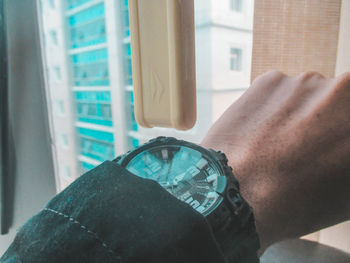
{"x": 91, "y": 68}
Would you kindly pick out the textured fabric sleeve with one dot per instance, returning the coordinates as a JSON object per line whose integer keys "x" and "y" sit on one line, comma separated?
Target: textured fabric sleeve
{"x": 110, "y": 215}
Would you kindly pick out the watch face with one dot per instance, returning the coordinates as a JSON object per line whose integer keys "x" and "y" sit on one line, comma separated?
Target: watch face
{"x": 189, "y": 174}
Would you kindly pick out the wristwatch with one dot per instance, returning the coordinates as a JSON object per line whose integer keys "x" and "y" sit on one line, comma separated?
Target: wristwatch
{"x": 201, "y": 178}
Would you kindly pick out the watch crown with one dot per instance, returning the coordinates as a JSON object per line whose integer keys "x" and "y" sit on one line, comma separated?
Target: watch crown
{"x": 222, "y": 157}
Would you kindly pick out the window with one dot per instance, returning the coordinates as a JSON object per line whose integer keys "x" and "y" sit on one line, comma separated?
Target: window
{"x": 106, "y": 111}
{"x": 51, "y": 3}
{"x": 57, "y": 73}
{"x": 236, "y": 5}
{"x": 128, "y": 66}
{"x": 89, "y": 34}
{"x": 91, "y": 68}
{"x": 125, "y": 21}
{"x": 66, "y": 171}
{"x": 53, "y": 35}
{"x": 64, "y": 140}
{"x": 96, "y": 113}
{"x": 84, "y": 166}
{"x": 75, "y": 3}
{"x": 92, "y": 110}
{"x": 60, "y": 107}
{"x": 236, "y": 59}
{"x": 133, "y": 142}
{"x": 96, "y": 149}
{"x": 134, "y": 125}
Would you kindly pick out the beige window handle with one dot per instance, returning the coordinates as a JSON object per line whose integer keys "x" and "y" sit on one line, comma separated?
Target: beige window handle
{"x": 163, "y": 62}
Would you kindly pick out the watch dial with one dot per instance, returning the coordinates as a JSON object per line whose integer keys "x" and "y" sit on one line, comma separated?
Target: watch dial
{"x": 186, "y": 173}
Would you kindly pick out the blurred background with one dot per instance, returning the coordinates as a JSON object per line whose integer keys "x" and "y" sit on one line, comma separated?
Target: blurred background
{"x": 80, "y": 112}
{"x": 87, "y": 59}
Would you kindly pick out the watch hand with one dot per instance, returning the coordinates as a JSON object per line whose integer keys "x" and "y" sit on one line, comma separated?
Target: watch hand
{"x": 169, "y": 168}
{"x": 179, "y": 178}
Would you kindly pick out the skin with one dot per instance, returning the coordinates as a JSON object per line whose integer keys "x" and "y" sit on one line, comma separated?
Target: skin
{"x": 288, "y": 142}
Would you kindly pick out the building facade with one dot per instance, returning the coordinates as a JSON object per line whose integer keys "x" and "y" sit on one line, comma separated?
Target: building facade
{"x": 87, "y": 57}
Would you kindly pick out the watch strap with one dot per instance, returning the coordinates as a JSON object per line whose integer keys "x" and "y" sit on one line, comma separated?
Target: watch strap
{"x": 233, "y": 222}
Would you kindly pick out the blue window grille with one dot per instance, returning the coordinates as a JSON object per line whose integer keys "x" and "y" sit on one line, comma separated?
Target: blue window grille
{"x": 88, "y": 34}
{"x": 130, "y": 99}
{"x": 92, "y": 14}
{"x": 94, "y": 107}
{"x": 75, "y": 3}
{"x": 91, "y": 68}
{"x": 100, "y": 55}
{"x": 133, "y": 142}
{"x": 96, "y": 149}
{"x": 128, "y": 71}
{"x": 93, "y": 96}
{"x": 134, "y": 125}
{"x": 95, "y": 113}
{"x": 128, "y": 49}
{"x": 87, "y": 28}
{"x": 86, "y": 166}
{"x": 126, "y": 18}
{"x": 97, "y": 135}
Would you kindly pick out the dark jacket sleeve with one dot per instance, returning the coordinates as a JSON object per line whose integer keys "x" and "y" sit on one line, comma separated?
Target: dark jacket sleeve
{"x": 109, "y": 215}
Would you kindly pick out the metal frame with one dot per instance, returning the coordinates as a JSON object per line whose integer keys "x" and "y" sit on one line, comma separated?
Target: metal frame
{"x": 3, "y": 115}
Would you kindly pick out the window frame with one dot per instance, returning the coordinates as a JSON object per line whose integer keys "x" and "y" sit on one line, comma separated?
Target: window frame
{"x": 4, "y": 147}
{"x": 236, "y": 6}
{"x": 64, "y": 142}
{"x": 60, "y": 107}
{"x": 238, "y": 59}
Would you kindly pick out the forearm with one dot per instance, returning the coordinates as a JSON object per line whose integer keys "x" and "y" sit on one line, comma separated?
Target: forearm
{"x": 295, "y": 207}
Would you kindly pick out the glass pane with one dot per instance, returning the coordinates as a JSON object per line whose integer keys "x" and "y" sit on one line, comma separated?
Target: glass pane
{"x": 87, "y": 56}
{"x": 236, "y": 59}
{"x": 236, "y": 5}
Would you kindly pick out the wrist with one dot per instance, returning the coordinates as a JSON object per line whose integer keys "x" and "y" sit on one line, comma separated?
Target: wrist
{"x": 254, "y": 189}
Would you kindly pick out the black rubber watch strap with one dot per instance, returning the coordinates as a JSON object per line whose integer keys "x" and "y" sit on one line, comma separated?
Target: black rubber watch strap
{"x": 236, "y": 231}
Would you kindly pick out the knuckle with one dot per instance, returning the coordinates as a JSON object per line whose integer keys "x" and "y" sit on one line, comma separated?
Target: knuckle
{"x": 274, "y": 74}
{"x": 269, "y": 76}
{"x": 305, "y": 76}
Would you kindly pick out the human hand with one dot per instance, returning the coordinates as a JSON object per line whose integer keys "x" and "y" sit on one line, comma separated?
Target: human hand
{"x": 288, "y": 142}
